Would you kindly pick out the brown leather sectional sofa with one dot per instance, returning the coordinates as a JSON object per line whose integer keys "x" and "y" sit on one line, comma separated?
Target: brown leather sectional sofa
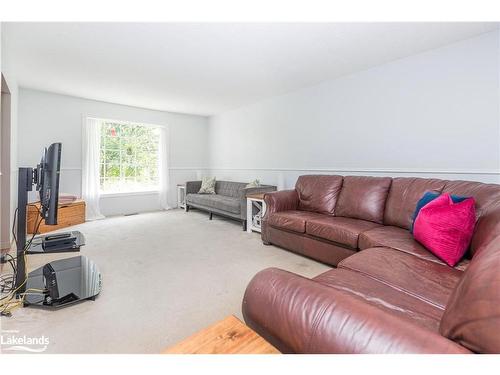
{"x": 387, "y": 294}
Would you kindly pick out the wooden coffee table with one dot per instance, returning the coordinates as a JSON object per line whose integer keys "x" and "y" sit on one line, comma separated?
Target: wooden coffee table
{"x": 229, "y": 336}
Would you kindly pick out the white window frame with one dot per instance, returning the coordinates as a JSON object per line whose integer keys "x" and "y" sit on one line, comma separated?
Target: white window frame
{"x": 105, "y": 194}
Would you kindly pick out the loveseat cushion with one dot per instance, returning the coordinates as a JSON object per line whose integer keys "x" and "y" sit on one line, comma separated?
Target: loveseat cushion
{"x": 207, "y": 185}
{"x": 363, "y": 198}
{"x": 342, "y": 230}
{"x": 383, "y": 296}
{"x": 318, "y": 193}
{"x": 402, "y": 240}
{"x": 294, "y": 221}
{"x": 219, "y": 202}
{"x": 428, "y": 281}
{"x": 230, "y": 188}
{"x": 403, "y": 196}
{"x": 472, "y": 315}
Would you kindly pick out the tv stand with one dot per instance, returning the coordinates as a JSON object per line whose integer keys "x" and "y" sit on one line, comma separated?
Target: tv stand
{"x": 57, "y": 243}
{"x": 58, "y": 283}
{"x": 64, "y": 282}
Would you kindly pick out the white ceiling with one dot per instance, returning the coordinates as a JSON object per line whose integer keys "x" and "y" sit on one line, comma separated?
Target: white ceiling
{"x": 207, "y": 68}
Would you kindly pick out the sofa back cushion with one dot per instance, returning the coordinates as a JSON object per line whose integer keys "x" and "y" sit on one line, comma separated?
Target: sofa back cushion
{"x": 230, "y": 188}
{"x": 487, "y": 197}
{"x": 403, "y": 196}
{"x": 318, "y": 193}
{"x": 363, "y": 197}
{"x": 472, "y": 314}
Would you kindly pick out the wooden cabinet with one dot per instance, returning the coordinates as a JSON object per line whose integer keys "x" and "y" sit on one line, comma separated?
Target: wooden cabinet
{"x": 67, "y": 214}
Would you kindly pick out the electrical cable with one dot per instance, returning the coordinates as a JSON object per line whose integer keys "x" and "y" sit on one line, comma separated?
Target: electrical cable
{"x": 8, "y": 281}
{"x": 6, "y": 311}
{"x": 14, "y": 224}
{"x": 11, "y": 294}
{"x": 8, "y": 278}
{"x": 11, "y": 302}
{"x": 9, "y": 306}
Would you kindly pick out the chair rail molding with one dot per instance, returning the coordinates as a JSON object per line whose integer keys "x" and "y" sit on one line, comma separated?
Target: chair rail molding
{"x": 368, "y": 170}
{"x": 334, "y": 169}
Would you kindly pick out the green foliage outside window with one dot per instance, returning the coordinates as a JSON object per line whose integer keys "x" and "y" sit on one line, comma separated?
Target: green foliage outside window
{"x": 129, "y": 157}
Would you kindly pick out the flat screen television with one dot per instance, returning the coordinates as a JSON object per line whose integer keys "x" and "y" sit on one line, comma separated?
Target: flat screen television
{"x": 48, "y": 182}
{"x": 46, "y": 179}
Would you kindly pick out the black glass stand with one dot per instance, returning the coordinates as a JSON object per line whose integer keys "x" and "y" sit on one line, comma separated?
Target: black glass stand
{"x": 63, "y": 282}
{"x": 37, "y": 246}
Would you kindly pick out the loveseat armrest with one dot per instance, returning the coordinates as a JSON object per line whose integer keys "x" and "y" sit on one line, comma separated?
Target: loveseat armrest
{"x": 283, "y": 200}
{"x": 299, "y": 315}
{"x": 192, "y": 187}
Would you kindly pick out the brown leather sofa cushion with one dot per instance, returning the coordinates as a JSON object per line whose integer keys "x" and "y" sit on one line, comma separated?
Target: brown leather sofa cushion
{"x": 312, "y": 247}
{"x": 342, "y": 230}
{"x": 487, "y": 197}
{"x": 403, "y": 196}
{"x": 428, "y": 281}
{"x": 472, "y": 315}
{"x": 363, "y": 198}
{"x": 383, "y": 296}
{"x": 318, "y": 193}
{"x": 402, "y": 240}
{"x": 291, "y": 220}
{"x": 299, "y": 315}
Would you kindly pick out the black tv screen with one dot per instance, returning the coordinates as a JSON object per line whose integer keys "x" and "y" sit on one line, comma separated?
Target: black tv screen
{"x": 49, "y": 171}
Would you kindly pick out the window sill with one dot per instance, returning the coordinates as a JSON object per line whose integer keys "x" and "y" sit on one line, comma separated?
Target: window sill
{"x": 129, "y": 193}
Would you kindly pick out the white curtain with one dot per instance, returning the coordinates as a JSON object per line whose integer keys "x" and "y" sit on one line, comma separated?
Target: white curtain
{"x": 163, "y": 168}
{"x": 91, "y": 150}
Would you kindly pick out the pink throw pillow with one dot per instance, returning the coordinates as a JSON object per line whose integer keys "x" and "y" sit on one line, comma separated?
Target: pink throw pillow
{"x": 446, "y": 228}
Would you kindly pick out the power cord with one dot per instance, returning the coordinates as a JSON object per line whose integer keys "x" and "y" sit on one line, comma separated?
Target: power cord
{"x": 7, "y": 281}
{"x": 9, "y": 302}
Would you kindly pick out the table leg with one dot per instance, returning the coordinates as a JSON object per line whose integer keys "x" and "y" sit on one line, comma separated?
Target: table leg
{"x": 249, "y": 215}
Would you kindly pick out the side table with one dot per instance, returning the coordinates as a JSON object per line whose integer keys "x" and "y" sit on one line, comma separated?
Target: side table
{"x": 181, "y": 196}
{"x": 256, "y": 209}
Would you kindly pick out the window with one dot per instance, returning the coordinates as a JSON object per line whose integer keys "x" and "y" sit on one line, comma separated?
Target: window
{"x": 129, "y": 157}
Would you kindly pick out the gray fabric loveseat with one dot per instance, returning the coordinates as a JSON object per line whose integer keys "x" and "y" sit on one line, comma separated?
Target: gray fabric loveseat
{"x": 229, "y": 199}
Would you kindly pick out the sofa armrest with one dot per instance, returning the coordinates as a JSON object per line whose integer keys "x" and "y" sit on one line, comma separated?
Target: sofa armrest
{"x": 487, "y": 228}
{"x": 192, "y": 187}
{"x": 283, "y": 200}
{"x": 298, "y": 315}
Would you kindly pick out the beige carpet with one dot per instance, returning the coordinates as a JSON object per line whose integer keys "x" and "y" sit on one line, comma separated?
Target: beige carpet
{"x": 165, "y": 275}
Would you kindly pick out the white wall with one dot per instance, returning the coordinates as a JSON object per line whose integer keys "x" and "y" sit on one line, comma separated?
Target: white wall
{"x": 45, "y": 118}
{"x": 5, "y": 167}
{"x": 432, "y": 114}
{"x": 8, "y": 70}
